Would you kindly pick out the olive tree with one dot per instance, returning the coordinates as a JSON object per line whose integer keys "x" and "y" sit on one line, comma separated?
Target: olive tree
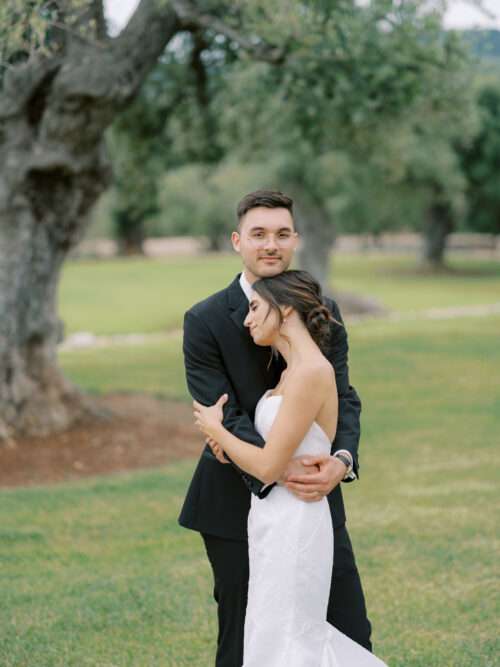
{"x": 64, "y": 80}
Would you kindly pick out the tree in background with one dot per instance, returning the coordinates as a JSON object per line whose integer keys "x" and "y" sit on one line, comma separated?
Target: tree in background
{"x": 357, "y": 80}
{"x": 481, "y": 164}
{"x": 326, "y": 122}
{"x": 169, "y": 124}
{"x": 136, "y": 164}
{"x": 444, "y": 119}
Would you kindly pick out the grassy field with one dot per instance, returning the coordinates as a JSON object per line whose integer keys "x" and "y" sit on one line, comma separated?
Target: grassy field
{"x": 98, "y": 574}
{"x": 129, "y": 296}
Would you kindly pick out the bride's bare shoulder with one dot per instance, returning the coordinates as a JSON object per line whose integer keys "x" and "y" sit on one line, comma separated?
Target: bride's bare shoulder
{"x": 316, "y": 373}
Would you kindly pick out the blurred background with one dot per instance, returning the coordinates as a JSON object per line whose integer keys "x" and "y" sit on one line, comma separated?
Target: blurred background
{"x": 129, "y": 131}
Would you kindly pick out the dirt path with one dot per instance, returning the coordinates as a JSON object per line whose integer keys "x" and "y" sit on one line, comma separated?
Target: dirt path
{"x": 146, "y": 432}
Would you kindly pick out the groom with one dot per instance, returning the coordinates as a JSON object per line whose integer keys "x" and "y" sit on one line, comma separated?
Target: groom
{"x": 221, "y": 358}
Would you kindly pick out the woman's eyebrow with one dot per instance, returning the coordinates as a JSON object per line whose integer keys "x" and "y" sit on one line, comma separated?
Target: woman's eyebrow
{"x": 252, "y": 303}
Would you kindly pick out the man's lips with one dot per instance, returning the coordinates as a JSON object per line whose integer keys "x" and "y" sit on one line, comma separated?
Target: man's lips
{"x": 271, "y": 259}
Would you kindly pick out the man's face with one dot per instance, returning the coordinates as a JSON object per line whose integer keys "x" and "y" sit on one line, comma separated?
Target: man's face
{"x": 266, "y": 241}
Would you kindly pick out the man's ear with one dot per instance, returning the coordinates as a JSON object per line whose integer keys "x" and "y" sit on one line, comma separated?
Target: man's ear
{"x": 235, "y": 240}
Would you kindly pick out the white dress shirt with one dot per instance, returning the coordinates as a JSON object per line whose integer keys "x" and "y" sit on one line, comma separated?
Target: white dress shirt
{"x": 245, "y": 286}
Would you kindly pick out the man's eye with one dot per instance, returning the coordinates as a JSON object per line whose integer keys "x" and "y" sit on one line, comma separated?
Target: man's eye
{"x": 258, "y": 235}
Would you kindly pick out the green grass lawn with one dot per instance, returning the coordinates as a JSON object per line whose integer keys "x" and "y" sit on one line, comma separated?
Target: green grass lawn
{"x": 138, "y": 295}
{"x": 98, "y": 574}
{"x": 396, "y": 283}
{"x": 141, "y": 295}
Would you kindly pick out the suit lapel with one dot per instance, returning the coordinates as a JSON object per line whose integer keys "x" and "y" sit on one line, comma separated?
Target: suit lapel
{"x": 238, "y": 315}
{"x": 237, "y": 302}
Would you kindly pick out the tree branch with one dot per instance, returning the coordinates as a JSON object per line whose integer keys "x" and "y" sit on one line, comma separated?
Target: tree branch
{"x": 140, "y": 44}
{"x": 192, "y": 19}
{"x": 101, "y": 27}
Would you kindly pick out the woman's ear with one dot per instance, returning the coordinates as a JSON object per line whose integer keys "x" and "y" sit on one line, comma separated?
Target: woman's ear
{"x": 285, "y": 311}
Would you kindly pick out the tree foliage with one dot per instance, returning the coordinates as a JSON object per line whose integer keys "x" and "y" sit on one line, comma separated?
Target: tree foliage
{"x": 201, "y": 199}
{"x": 481, "y": 163}
{"x": 371, "y": 96}
{"x": 358, "y": 118}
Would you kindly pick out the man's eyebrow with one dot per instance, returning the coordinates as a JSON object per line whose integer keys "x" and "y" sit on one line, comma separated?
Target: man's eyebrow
{"x": 263, "y": 229}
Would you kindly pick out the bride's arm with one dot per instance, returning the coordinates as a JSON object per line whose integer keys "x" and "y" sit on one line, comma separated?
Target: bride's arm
{"x": 298, "y": 410}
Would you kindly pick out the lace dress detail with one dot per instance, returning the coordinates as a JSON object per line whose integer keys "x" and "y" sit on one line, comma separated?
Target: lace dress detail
{"x": 291, "y": 559}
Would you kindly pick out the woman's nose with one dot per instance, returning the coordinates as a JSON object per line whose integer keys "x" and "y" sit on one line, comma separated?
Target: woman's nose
{"x": 246, "y": 322}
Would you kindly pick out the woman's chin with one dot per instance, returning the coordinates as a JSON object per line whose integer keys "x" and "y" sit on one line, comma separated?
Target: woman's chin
{"x": 262, "y": 342}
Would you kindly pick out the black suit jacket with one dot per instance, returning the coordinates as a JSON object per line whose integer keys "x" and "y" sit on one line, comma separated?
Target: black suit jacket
{"x": 220, "y": 357}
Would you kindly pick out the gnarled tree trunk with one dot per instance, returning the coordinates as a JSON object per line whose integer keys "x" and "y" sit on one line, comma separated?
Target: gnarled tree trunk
{"x": 53, "y": 167}
{"x": 43, "y": 209}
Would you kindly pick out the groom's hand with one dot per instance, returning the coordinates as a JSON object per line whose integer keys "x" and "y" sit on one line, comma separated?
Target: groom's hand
{"x": 296, "y": 468}
{"x": 217, "y": 450}
{"x": 322, "y": 476}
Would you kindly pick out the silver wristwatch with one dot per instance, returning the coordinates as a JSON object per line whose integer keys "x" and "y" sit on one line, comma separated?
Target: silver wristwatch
{"x": 346, "y": 460}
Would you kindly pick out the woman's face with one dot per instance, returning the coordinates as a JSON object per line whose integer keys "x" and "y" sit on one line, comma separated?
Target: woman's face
{"x": 262, "y": 321}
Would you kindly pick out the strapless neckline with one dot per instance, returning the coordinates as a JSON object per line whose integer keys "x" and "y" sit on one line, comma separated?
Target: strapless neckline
{"x": 268, "y": 395}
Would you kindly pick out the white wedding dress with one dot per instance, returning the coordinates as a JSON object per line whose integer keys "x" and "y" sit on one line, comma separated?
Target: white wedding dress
{"x": 291, "y": 555}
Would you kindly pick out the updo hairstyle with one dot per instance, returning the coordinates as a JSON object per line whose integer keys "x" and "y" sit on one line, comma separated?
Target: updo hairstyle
{"x": 302, "y": 292}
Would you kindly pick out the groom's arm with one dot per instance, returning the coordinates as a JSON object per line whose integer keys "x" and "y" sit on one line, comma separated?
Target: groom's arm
{"x": 348, "y": 426}
{"x": 207, "y": 380}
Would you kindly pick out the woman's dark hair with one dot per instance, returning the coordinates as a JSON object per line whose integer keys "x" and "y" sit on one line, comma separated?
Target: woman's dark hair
{"x": 302, "y": 292}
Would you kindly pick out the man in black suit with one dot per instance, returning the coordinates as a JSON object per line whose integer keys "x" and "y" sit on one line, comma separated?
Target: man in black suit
{"x": 221, "y": 358}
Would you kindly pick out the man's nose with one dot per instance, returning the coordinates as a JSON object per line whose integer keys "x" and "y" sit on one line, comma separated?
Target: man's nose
{"x": 270, "y": 242}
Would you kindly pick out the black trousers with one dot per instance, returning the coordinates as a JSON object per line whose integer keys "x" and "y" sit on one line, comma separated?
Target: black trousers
{"x": 229, "y": 561}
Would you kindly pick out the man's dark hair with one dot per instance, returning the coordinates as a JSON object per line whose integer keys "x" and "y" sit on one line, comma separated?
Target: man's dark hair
{"x": 266, "y": 198}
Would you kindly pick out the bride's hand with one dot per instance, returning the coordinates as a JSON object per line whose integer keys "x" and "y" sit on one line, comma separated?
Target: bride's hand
{"x": 208, "y": 418}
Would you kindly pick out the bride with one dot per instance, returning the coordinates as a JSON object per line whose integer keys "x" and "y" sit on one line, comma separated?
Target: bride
{"x": 290, "y": 541}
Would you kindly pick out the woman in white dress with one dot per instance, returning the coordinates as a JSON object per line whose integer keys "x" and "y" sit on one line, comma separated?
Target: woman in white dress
{"x": 290, "y": 541}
